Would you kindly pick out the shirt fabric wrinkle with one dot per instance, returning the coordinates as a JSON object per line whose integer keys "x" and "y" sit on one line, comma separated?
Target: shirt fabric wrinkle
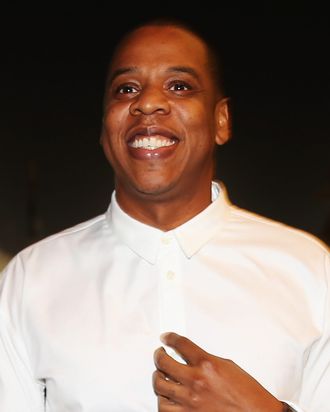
{"x": 88, "y": 306}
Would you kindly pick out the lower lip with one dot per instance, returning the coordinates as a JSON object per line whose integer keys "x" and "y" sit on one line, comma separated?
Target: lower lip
{"x": 145, "y": 154}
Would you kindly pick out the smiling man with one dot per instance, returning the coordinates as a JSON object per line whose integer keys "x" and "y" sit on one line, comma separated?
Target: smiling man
{"x": 164, "y": 114}
{"x": 240, "y": 303}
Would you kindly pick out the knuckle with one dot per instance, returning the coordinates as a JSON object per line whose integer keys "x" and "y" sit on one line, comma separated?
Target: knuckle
{"x": 199, "y": 385}
{"x": 207, "y": 366}
{"x": 195, "y": 400}
{"x": 157, "y": 386}
{"x": 155, "y": 379}
{"x": 155, "y": 376}
{"x": 229, "y": 364}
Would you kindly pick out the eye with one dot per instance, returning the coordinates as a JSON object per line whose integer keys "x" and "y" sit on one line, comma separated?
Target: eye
{"x": 180, "y": 86}
{"x": 126, "y": 89}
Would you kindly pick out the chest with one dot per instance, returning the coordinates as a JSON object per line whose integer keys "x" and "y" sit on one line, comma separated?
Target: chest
{"x": 96, "y": 348}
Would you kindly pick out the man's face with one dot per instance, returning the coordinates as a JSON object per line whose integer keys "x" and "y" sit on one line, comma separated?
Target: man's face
{"x": 161, "y": 114}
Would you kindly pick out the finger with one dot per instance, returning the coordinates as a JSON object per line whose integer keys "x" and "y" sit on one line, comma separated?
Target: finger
{"x": 189, "y": 351}
{"x": 176, "y": 371}
{"x": 165, "y": 405}
{"x": 164, "y": 386}
{"x": 173, "y": 393}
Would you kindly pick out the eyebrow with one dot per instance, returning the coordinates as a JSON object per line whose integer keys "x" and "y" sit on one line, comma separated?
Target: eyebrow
{"x": 172, "y": 69}
{"x": 183, "y": 69}
{"x": 120, "y": 71}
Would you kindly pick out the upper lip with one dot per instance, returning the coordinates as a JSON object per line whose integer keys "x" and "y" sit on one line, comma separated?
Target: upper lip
{"x": 151, "y": 131}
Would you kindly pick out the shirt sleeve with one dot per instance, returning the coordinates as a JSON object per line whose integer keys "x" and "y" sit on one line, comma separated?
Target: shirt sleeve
{"x": 316, "y": 377}
{"x": 19, "y": 390}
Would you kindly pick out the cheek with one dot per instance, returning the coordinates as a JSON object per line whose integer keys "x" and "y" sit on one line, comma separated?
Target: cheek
{"x": 196, "y": 115}
{"x": 106, "y": 146}
{"x": 115, "y": 119}
{"x": 200, "y": 130}
{"x": 113, "y": 137}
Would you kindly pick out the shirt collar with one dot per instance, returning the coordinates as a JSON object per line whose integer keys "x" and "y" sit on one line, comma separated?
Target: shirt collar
{"x": 195, "y": 233}
{"x": 145, "y": 240}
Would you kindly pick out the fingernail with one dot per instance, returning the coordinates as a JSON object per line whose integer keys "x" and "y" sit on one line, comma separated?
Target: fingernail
{"x": 163, "y": 336}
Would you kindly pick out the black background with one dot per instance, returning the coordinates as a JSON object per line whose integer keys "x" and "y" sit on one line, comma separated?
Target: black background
{"x": 52, "y": 170}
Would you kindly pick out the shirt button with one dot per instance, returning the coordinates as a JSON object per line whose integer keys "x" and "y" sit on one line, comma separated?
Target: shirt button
{"x": 170, "y": 275}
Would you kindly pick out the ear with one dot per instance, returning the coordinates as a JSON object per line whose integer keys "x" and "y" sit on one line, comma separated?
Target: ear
{"x": 223, "y": 124}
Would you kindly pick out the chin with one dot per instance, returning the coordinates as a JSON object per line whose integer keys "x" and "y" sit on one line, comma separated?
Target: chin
{"x": 154, "y": 189}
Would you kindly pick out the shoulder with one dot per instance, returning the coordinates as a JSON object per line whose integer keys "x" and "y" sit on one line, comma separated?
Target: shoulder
{"x": 246, "y": 226}
{"x": 59, "y": 245}
{"x": 266, "y": 231}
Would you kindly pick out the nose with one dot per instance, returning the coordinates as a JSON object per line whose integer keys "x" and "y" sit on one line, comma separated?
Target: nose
{"x": 150, "y": 101}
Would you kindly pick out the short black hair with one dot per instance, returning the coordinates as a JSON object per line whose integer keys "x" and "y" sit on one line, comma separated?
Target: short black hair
{"x": 214, "y": 54}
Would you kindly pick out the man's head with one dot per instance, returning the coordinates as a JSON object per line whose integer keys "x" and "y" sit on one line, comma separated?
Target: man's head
{"x": 215, "y": 64}
{"x": 164, "y": 112}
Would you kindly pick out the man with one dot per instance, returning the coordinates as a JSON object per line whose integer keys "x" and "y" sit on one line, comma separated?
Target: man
{"x": 244, "y": 300}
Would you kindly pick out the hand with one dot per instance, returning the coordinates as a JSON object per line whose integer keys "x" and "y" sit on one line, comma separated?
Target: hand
{"x": 206, "y": 382}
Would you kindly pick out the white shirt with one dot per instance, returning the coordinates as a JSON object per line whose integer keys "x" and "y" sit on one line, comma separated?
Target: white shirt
{"x": 81, "y": 311}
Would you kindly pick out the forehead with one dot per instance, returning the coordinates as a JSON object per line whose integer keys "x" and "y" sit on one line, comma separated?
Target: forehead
{"x": 161, "y": 45}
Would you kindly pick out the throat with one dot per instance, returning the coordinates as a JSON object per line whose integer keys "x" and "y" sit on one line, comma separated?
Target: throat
{"x": 163, "y": 214}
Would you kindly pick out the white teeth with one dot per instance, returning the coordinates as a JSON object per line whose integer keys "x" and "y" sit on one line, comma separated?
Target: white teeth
{"x": 151, "y": 143}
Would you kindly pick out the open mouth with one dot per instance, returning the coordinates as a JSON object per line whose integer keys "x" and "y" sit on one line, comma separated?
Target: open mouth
{"x": 151, "y": 142}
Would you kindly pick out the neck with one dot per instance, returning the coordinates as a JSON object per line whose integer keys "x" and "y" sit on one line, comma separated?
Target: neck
{"x": 164, "y": 212}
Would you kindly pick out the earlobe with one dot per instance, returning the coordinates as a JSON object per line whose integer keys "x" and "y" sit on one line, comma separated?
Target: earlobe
{"x": 223, "y": 129}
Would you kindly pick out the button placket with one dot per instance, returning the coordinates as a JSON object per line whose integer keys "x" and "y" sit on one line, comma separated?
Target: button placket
{"x": 170, "y": 275}
{"x": 171, "y": 305}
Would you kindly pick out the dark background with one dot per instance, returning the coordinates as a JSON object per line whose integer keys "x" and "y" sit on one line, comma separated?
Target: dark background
{"x": 52, "y": 171}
